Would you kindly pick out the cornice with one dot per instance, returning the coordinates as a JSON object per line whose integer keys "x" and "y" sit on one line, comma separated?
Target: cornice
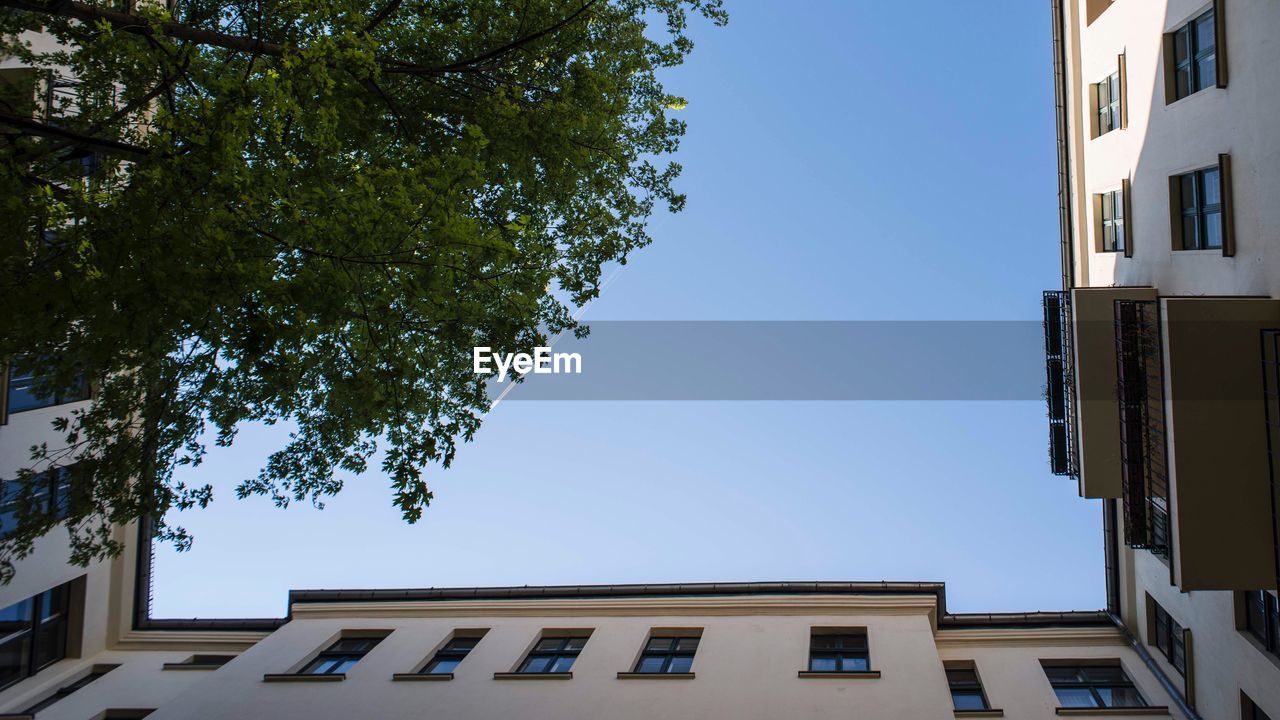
{"x": 188, "y": 640}
{"x": 1039, "y": 636}
{"x": 627, "y": 607}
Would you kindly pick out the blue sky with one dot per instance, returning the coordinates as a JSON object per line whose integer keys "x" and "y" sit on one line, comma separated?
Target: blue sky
{"x": 853, "y": 160}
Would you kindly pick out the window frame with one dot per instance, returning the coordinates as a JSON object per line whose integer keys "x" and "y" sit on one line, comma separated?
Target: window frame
{"x": 64, "y": 396}
{"x": 1168, "y": 636}
{"x": 1185, "y": 39}
{"x": 1267, "y": 637}
{"x": 449, "y": 653}
{"x": 1112, "y": 217}
{"x": 668, "y": 655}
{"x": 967, "y": 688}
{"x": 839, "y": 650}
{"x": 37, "y": 624}
{"x": 1093, "y": 686}
{"x": 339, "y": 656}
{"x": 1108, "y": 115}
{"x": 1199, "y": 210}
{"x": 563, "y": 650}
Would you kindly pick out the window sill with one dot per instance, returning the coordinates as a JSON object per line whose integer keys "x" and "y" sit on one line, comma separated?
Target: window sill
{"x": 184, "y": 666}
{"x": 849, "y": 674}
{"x": 296, "y": 677}
{"x": 654, "y": 676}
{"x": 1107, "y": 712}
{"x": 422, "y": 677}
{"x": 989, "y": 712}
{"x": 533, "y": 676}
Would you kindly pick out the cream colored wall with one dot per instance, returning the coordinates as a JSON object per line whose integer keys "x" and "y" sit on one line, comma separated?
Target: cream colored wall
{"x": 1225, "y": 661}
{"x": 746, "y": 665}
{"x": 1165, "y": 140}
{"x": 1160, "y": 141}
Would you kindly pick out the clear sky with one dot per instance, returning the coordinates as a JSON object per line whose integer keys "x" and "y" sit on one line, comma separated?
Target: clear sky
{"x": 846, "y": 160}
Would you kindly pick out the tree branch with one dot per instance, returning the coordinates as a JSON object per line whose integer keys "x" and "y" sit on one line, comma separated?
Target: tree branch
{"x": 33, "y": 127}
{"x": 395, "y": 66}
{"x": 139, "y": 25}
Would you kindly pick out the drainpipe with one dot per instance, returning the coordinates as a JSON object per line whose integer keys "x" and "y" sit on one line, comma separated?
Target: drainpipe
{"x": 1169, "y": 686}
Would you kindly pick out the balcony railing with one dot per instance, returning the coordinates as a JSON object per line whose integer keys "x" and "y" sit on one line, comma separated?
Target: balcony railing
{"x": 1143, "y": 452}
{"x": 1060, "y": 386}
{"x": 1271, "y": 400}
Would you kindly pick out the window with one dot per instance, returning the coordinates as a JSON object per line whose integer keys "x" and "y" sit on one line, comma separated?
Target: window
{"x": 1093, "y": 686}
{"x": 839, "y": 652}
{"x": 1250, "y": 710}
{"x": 450, "y": 656}
{"x": 1112, "y": 220}
{"x": 26, "y": 390}
{"x": 1106, "y": 95}
{"x": 62, "y": 692}
{"x": 1262, "y": 619}
{"x": 48, "y": 492}
{"x": 553, "y": 655}
{"x": 33, "y": 634}
{"x": 340, "y": 656}
{"x": 668, "y": 655}
{"x": 966, "y": 689}
{"x": 1193, "y": 57}
{"x": 1200, "y": 201}
{"x": 1167, "y": 635}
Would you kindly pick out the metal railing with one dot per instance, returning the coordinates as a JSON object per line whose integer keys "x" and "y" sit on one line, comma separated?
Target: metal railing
{"x": 1060, "y": 385}
{"x": 1143, "y": 451}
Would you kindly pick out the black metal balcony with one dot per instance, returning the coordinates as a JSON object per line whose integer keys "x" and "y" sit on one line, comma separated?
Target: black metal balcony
{"x": 1143, "y": 451}
{"x": 1059, "y": 389}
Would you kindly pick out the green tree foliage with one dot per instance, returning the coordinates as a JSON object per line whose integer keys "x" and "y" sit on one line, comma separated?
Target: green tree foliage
{"x": 308, "y": 211}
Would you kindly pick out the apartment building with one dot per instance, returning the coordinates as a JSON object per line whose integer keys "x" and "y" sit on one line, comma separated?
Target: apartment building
{"x": 736, "y": 650}
{"x": 1162, "y": 342}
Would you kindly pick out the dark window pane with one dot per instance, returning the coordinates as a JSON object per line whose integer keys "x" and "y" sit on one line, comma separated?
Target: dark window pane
{"x": 688, "y": 644}
{"x": 651, "y": 664}
{"x": 548, "y": 645}
{"x": 823, "y": 642}
{"x": 853, "y": 663}
{"x": 461, "y": 644}
{"x": 441, "y": 666}
{"x": 962, "y": 678}
{"x": 1104, "y": 674}
{"x": 562, "y": 663}
{"x": 1213, "y": 229}
{"x": 536, "y": 664}
{"x": 681, "y": 664}
{"x": 1189, "y": 191}
{"x": 1210, "y": 187}
{"x": 659, "y": 644}
{"x": 1190, "y": 232}
{"x": 1206, "y": 72}
{"x": 1182, "y": 82}
{"x": 1180, "y": 53}
{"x": 319, "y": 666}
{"x": 822, "y": 664}
{"x": 575, "y": 643}
{"x": 1075, "y": 697}
{"x": 345, "y": 664}
{"x": 968, "y": 700}
{"x": 1205, "y": 39}
{"x": 1062, "y": 674}
{"x": 1120, "y": 697}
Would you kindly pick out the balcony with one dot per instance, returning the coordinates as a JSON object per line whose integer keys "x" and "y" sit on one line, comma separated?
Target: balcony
{"x": 1091, "y": 347}
{"x": 1221, "y": 503}
{"x": 1060, "y": 387}
{"x": 1144, "y": 476}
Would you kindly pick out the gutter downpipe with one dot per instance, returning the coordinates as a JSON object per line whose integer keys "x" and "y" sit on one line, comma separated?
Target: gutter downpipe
{"x": 1165, "y": 682}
